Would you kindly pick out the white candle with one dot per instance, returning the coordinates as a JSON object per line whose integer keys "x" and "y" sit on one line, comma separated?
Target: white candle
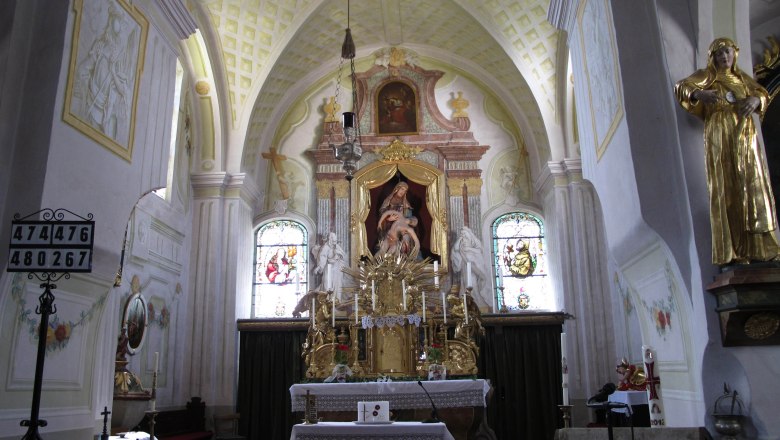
{"x": 444, "y": 305}
{"x": 333, "y": 313}
{"x": 313, "y": 312}
{"x": 436, "y": 274}
{"x": 156, "y": 361}
{"x": 465, "y": 308}
{"x": 373, "y": 296}
{"x": 356, "y": 309}
{"x": 403, "y": 288}
{"x": 423, "y": 305}
{"x": 153, "y": 404}
{"x": 468, "y": 274}
{"x": 329, "y": 285}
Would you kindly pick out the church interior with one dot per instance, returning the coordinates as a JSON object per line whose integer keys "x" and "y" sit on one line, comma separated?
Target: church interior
{"x": 520, "y": 193}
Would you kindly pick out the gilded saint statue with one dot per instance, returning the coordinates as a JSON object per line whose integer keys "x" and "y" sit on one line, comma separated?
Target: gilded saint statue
{"x": 742, "y": 207}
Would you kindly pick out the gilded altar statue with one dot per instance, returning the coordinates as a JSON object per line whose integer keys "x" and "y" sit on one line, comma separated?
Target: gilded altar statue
{"x": 742, "y": 207}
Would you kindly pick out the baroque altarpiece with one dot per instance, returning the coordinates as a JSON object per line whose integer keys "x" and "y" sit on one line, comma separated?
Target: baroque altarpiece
{"x": 417, "y": 181}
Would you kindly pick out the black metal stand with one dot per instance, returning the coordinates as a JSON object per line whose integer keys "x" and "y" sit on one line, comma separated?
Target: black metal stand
{"x": 151, "y": 414}
{"x": 46, "y": 308}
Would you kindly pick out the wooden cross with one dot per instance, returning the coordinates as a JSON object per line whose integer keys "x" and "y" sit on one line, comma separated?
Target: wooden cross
{"x": 276, "y": 161}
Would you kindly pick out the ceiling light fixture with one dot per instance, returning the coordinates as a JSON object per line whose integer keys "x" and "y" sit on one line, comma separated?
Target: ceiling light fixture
{"x": 350, "y": 152}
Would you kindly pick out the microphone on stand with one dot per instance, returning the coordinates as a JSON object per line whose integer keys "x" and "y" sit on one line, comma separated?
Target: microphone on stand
{"x": 434, "y": 414}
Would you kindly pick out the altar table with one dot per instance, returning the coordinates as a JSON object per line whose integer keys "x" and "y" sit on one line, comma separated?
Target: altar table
{"x": 637, "y": 400}
{"x": 349, "y": 430}
{"x": 461, "y": 404}
{"x": 630, "y": 398}
{"x": 401, "y": 395}
{"x": 133, "y": 435}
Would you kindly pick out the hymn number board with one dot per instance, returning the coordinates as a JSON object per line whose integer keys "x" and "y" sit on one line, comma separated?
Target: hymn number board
{"x": 51, "y": 246}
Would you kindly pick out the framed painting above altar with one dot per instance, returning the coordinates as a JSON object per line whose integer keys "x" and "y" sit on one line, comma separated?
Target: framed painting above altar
{"x": 397, "y": 109}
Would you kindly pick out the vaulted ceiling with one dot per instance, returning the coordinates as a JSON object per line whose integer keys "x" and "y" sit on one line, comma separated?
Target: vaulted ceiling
{"x": 272, "y": 50}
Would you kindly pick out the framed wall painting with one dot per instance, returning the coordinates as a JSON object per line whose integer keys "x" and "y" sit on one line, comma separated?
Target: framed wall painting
{"x": 106, "y": 61}
{"x": 397, "y": 109}
{"x": 605, "y": 93}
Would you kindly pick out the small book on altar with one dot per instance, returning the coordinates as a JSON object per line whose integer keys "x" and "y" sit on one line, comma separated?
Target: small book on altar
{"x": 373, "y": 412}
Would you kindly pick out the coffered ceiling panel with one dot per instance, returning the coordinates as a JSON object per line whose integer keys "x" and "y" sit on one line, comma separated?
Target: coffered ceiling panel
{"x": 269, "y": 46}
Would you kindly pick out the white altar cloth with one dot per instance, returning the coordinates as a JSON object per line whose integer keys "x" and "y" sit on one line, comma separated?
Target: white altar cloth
{"x": 393, "y": 431}
{"x": 402, "y": 395}
{"x": 630, "y": 398}
{"x": 132, "y": 435}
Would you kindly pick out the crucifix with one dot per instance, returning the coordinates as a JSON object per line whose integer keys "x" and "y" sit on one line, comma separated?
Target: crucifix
{"x": 365, "y": 411}
{"x": 276, "y": 161}
{"x": 105, "y": 414}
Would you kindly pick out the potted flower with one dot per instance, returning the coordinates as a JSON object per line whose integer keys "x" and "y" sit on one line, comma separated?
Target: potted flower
{"x": 341, "y": 371}
{"x": 436, "y": 371}
{"x": 341, "y": 355}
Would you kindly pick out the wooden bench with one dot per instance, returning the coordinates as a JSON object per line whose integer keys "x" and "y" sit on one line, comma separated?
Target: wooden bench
{"x": 181, "y": 424}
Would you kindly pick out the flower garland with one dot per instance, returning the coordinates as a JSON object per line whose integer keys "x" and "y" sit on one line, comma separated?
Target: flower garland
{"x": 59, "y": 332}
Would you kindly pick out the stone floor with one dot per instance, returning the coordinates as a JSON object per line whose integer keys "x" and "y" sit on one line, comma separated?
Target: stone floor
{"x": 639, "y": 434}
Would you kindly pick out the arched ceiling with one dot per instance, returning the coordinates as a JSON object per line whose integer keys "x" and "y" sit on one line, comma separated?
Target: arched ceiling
{"x": 273, "y": 49}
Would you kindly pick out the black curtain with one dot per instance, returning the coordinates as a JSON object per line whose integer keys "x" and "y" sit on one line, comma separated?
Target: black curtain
{"x": 523, "y": 364}
{"x": 269, "y": 364}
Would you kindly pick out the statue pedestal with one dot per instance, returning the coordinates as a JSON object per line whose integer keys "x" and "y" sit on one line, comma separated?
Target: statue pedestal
{"x": 748, "y": 304}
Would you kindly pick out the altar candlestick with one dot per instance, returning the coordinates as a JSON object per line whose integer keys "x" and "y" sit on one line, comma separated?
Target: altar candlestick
{"x": 356, "y": 309}
{"x": 423, "y": 305}
{"x": 403, "y": 288}
{"x": 444, "y": 305}
{"x": 156, "y": 361}
{"x": 565, "y": 370}
{"x": 436, "y": 274}
{"x": 468, "y": 274}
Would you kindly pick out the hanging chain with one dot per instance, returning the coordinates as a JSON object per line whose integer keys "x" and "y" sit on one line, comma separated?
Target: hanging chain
{"x": 358, "y": 143}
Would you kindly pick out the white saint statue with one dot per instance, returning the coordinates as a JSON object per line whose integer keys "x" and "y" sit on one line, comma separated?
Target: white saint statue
{"x": 331, "y": 258}
{"x": 468, "y": 249}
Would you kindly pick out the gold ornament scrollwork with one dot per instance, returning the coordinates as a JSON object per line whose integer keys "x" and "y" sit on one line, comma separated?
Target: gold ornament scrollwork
{"x": 762, "y": 325}
{"x": 323, "y": 188}
{"x": 397, "y": 151}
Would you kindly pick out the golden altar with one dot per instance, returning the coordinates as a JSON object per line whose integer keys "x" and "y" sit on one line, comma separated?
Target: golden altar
{"x": 394, "y": 318}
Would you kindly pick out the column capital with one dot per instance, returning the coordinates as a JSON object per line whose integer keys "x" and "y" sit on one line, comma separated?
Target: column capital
{"x": 209, "y": 185}
{"x": 242, "y": 185}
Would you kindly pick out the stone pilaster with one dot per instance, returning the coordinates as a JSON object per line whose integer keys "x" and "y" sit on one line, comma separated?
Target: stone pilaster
{"x": 578, "y": 267}
{"x": 222, "y": 223}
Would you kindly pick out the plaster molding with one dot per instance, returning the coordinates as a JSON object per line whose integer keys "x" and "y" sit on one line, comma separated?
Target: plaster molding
{"x": 181, "y": 21}
{"x": 562, "y": 13}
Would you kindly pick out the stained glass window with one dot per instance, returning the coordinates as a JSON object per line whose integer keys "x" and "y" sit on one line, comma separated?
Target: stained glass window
{"x": 520, "y": 263}
{"x": 281, "y": 272}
